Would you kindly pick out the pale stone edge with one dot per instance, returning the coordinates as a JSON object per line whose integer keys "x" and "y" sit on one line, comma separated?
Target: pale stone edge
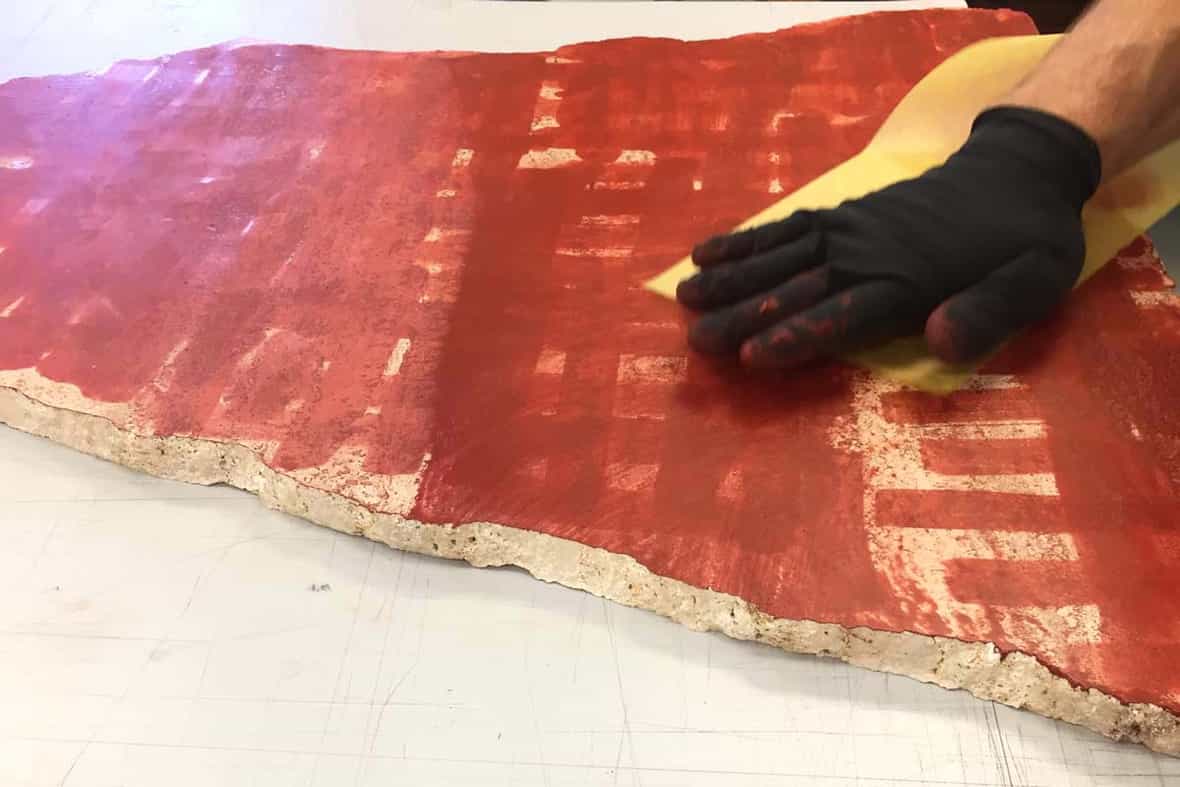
{"x": 1017, "y": 679}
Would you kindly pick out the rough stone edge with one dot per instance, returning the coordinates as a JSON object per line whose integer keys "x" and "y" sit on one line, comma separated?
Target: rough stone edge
{"x": 1015, "y": 679}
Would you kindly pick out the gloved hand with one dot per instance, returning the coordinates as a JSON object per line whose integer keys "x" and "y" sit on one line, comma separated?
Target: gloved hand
{"x": 974, "y": 250}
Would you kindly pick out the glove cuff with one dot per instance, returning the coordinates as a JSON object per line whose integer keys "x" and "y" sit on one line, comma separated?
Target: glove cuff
{"x": 1063, "y": 150}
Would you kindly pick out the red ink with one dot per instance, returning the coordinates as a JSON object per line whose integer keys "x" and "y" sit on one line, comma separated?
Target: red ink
{"x": 290, "y": 251}
{"x": 982, "y": 456}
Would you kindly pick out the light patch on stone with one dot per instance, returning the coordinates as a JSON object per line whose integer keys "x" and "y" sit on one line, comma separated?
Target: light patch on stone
{"x": 393, "y": 366}
{"x": 731, "y": 487}
{"x": 779, "y": 117}
{"x": 631, "y": 478}
{"x": 167, "y": 371}
{"x": 462, "y": 158}
{"x": 643, "y": 157}
{"x": 662, "y": 369}
{"x": 840, "y": 119}
{"x": 15, "y": 162}
{"x": 621, "y": 219}
{"x": 12, "y": 307}
{"x": 991, "y": 382}
{"x": 1147, "y": 299}
{"x": 549, "y": 158}
{"x": 616, "y": 252}
{"x": 1007, "y": 430}
{"x": 550, "y": 362}
{"x": 892, "y": 452}
{"x": 249, "y": 356}
{"x": 619, "y": 185}
{"x": 34, "y": 206}
{"x": 392, "y": 494}
{"x": 913, "y": 560}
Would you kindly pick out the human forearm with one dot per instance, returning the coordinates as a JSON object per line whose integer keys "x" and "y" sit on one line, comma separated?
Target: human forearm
{"x": 1116, "y": 75}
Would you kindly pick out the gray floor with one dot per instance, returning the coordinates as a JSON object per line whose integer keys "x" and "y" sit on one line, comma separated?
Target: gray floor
{"x": 1166, "y": 234}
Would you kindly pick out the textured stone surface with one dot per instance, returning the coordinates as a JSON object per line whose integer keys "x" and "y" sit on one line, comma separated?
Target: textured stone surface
{"x": 399, "y": 295}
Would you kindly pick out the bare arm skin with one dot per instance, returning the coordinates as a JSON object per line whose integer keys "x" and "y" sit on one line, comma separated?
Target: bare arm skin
{"x": 1116, "y": 75}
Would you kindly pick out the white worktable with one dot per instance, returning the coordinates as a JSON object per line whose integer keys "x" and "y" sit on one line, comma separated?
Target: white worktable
{"x": 153, "y": 633}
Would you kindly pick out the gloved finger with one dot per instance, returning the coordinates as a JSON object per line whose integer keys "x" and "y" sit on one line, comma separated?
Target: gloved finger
{"x": 725, "y": 284}
{"x": 973, "y": 322}
{"x": 739, "y": 245}
{"x": 723, "y": 331}
{"x": 847, "y": 321}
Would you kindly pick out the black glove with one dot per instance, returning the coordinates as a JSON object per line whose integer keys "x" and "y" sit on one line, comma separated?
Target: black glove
{"x": 975, "y": 249}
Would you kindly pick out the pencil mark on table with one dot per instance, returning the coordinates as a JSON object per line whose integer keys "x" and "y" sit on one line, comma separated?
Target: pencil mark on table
{"x": 626, "y": 736}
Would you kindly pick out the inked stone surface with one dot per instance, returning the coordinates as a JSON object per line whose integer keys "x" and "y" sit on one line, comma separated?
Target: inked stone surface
{"x": 399, "y": 295}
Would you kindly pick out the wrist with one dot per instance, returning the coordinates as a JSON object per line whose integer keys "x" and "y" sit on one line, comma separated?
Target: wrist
{"x": 1061, "y": 153}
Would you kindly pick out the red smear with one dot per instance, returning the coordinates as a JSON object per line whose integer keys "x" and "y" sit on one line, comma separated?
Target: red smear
{"x": 952, "y": 509}
{"x": 1043, "y": 583}
{"x": 986, "y": 457}
{"x": 961, "y": 406}
{"x": 550, "y": 391}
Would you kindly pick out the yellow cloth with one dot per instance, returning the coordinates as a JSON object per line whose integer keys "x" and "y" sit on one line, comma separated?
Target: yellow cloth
{"x": 929, "y": 124}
